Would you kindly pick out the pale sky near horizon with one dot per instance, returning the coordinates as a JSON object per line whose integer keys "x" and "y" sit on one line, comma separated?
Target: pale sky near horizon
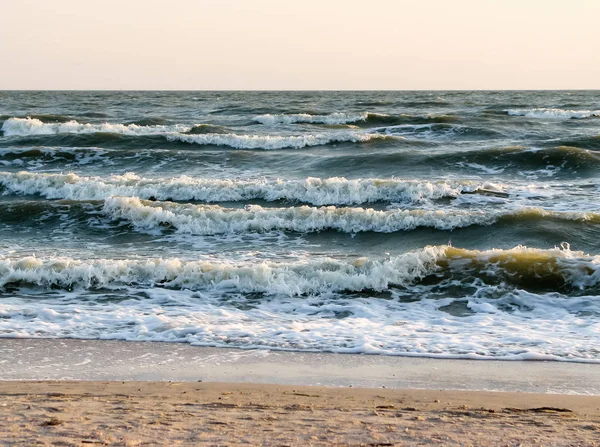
{"x": 302, "y": 44}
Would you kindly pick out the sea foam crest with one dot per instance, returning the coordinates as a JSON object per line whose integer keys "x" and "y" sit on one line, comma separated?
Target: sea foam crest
{"x": 33, "y": 126}
{"x": 273, "y": 142}
{"x": 316, "y": 191}
{"x": 294, "y": 278}
{"x": 213, "y": 219}
{"x": 554, "y": 113}
{"x": 305, "y": 118}
{"x": 303, "y": 277}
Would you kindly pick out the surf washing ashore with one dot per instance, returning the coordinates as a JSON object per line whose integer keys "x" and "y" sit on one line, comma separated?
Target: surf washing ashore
{"x": 436, "y": 224}
{"x": 446, "y": 225}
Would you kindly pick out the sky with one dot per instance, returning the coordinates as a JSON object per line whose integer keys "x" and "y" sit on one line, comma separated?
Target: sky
{"x": 299, "y": 45}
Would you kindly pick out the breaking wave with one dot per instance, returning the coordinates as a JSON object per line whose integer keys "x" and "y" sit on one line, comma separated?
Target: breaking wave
{"x": 273, "y": 142}
{"x": 316, "y": 191}
{"x": 554, "y": 113}
{"x": 34, "y": 126}
{"x": 334, "y": 118}
{"x": 352, "y": 118}
{"x": 213, "y": 219}
{"x": 201, "y": 134}
{"x": 517, "y": 267}
{"x": 297, "y": 278}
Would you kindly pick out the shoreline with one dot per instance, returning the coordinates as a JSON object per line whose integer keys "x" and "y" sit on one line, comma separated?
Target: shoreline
{"x": 109, "y": 360}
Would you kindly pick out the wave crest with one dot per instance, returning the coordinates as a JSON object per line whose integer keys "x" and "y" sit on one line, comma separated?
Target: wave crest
{"x": 32, "y": 126}
{"x": 212, "y": 219}
{"x": 516, "y": 267}
{"x": 296, "y": 278}
{"x": 200, "y": 134}
{"x": 339, "y": 118}
{"x": 316, "y": 191}
{"x": 301, "y": 118}
{"x": 554, "y": 113}
{"x": 274, "y": 142}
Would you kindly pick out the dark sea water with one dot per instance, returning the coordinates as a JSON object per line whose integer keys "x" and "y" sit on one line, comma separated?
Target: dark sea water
{"x": 442, "y": 224}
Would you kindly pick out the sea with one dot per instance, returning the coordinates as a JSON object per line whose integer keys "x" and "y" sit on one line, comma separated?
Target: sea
{"x": 454, "y": 224}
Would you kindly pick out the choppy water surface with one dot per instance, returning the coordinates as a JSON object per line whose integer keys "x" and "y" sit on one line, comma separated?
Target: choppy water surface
{"x": 444, "y": 224}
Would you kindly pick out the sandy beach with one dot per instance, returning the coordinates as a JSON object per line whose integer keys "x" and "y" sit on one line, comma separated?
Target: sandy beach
{"x": 74, "y": 392}
{"x": 175, "y": 413}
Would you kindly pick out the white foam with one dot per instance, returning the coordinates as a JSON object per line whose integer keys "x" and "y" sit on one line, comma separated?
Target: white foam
{"x": 295, "y": 278}
{"x": 158, "y": 304}
{"x": 213, "y": 219}
{"x": 273, "y": 142}
{"x": 33, "y": 126}
{"x": 210, "y": 220}
{"x": 334, "y": 118}
{"x": 553, "y": 113}
{"x": 317, "y": 191}
{"x": 305, "y": 276}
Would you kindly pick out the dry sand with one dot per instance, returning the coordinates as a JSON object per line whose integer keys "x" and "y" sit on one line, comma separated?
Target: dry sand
{"x": 191, "y": 414}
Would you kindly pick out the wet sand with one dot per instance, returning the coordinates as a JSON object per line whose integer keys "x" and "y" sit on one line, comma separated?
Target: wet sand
{"x": 101, "y": 360}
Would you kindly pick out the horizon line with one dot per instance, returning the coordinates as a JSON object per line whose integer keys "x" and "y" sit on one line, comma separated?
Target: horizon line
{"x": 299, "y": 90}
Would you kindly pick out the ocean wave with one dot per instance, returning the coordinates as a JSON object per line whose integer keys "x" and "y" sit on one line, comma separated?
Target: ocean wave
{"x": 553, "y": 113}
{"x": 537, "y": 214}
{"x": 438, "y": 131}
{"x": 208, "y": 220}
{"x": 48, "y": 155}
{"x": 316, "y": 191}
{"x": 567, "y": 157}
{"x": 404, "y": 119}
{"x": 213, "y": 219}
{"x": 274, "y": 142}
{"x": 294, "y": 278}
{"x": 34, "y": 126}
{"x": 352, "y": 118}
{"x": 563, "y": 160}
{"x": 582, "y": 143}
{"x": 531, "y": 268}
{"x": 516, "y": 157}
{"x": 198, "y": 134}
{"x": 97, "y": 140}
{"x": 48, "y": 217}
{"x": 37, "y": 153}
{"x": 334, "y": 118}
